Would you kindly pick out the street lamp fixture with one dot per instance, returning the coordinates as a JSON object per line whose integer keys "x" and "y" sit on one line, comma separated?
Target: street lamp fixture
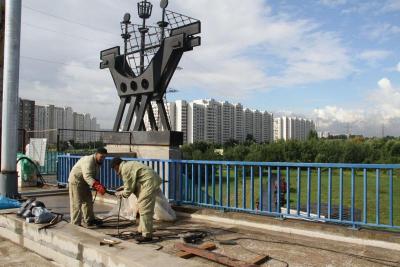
{"x": 144, "y": 9}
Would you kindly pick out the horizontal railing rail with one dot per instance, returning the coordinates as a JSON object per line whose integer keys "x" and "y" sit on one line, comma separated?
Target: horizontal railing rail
{"x": 353, "y": 194}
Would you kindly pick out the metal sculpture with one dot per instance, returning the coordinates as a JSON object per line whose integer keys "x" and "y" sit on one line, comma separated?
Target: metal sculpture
{"x": 150, "y": 57}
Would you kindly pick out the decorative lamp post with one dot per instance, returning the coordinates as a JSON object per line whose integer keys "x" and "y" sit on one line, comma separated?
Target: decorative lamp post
{"x": 144, "y": 12}
{"x": 163, "y": 24}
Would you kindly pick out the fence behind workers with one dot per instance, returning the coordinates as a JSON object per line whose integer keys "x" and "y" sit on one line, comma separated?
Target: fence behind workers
{"x": 353, "y": 194}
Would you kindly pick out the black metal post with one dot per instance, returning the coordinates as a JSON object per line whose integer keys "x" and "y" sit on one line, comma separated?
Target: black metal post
{"x": 143, "y": 31}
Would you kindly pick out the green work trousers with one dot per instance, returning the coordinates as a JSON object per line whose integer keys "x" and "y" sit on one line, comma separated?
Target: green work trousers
{"x": 81, "y": 203}
{"x": 146, "y": 203}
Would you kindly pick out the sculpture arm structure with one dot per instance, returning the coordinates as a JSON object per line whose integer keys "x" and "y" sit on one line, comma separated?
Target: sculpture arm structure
{"x": 137, "y": 92}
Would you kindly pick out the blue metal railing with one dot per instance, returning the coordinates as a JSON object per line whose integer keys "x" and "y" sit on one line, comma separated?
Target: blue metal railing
{"x": 353, "y": 194}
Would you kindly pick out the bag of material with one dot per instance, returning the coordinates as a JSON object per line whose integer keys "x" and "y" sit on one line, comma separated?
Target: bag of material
{"x": 129, "y": 208}
{"x": 42, "y": 215}
{"x": 162, "y": 209}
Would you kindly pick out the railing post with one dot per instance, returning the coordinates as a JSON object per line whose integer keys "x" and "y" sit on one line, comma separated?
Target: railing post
{"x": 298, "y": 190}
{"x": 378, "y": 174}
{"x": 319, "y": 193}
{"x": 287, "y": 190}
{"x": 365, "y": 190}
{"x": 243, "y": 187}
{"x": 261, "y": 199}
{"x": 308, "y": 191}
{"x": 251, "y": 187}
{"x": 228, "y": 186}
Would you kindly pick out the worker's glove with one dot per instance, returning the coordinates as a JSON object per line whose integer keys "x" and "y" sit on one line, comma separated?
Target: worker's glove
{"x": 99, "y": 187}
{"x": 119, "y": 194}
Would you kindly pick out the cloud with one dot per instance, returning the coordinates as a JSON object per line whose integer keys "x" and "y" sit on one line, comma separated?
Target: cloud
{"x": 391, "y": 6}
{"x": 363, "y": 7}
{"x": 382, "y": 106}
{"x": 372, "y": 56}
{"x": 306, "y": 54}
{"x": 380, "y": 32}
{"x": 85, "y": 90}
{"x": 333, "y": 3}
{"x": 386, "y": 100}
{"x": 398, "y": 67}
{"x": 331, "y": 114}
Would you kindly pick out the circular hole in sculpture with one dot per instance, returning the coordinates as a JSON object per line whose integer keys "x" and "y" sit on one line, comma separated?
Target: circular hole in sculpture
{"x": 145, "y": 84}
{"x": 123, "y": 87}
{"x": 133, "y": 85}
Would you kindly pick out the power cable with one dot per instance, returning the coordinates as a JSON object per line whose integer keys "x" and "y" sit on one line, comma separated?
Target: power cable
{"x": 62, "y": 33}
{"x": 67, "y": 20}
{"x": 53, "y": 62}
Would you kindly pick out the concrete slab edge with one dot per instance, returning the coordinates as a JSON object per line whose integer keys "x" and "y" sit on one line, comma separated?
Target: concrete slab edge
{"x": 74, "y": 246}
{"x": 295, "y": 231}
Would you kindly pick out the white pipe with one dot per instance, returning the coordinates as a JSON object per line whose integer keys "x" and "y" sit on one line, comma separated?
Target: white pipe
{"x": 12, "y": 34}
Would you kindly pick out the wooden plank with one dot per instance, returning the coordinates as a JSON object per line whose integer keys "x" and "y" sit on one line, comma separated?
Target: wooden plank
{"x": 260, "y": 259}
{"x": 212, "y": 256}
{"x": 188, "y": 255}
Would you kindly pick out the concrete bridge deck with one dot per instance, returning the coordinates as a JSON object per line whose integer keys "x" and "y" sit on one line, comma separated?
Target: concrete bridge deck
{"x": 303, "y": 246}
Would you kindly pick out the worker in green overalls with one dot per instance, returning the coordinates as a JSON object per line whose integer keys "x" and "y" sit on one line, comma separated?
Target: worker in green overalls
{"x": 84, "y": 176}
{"x": 144, "y": 182}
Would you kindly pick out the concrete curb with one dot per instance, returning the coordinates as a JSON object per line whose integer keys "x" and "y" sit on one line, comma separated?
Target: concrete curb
{"x": 289, "y": 230}
{"x": 71, "y": 245}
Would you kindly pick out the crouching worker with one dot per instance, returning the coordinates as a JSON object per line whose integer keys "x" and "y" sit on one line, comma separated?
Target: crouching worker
{"x": 144, "y": 182}
{"x": 81, "y": 179}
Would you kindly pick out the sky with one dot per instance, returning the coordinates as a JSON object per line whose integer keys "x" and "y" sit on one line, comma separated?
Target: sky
{"x": 334, "y": 61}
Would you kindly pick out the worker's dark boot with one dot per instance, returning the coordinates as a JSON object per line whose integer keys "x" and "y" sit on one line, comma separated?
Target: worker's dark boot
{"x": 143, "y": 239}
{"x": 98, "y": 222}
{"x": 93, "y": 223}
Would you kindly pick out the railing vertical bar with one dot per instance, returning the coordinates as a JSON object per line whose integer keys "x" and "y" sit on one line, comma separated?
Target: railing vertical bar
{"x": 308, "y": 191}
{"x": 193, "y": 177}
{"x": 228, "y": 186}
{"x": 213, "y": 184}
{"x": 340, "y": 194}
{"x": 186, "y": 183}
{"x": 252, "y": 188}
{"x": 287, "y": 190}
{"x": 206, "y": 183}
{"x": 269, "y": 190}
{"x": 329, "y": 193}
{"x": 260, "y": 199}
{"x": 278, "y": 189}
{"x": 352, "y": 195}
{"x": 220, "y": 185}
{"x": 378, "y": 174}
{"x": 176, "y": 179}
{"x": 319, "y": 193}
{"x": 163, "y": 177}
{"x": 298, "y": 189}
{"x": 243, "y": 187}
{"x": 199, "y": 183}
{"x": 391, "y": 197}
{"x": 236, "y": 188}
{"x": 365, "y": 192}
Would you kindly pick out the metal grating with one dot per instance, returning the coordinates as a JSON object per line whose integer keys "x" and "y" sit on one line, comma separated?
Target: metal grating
{"x": 152, "y": 39}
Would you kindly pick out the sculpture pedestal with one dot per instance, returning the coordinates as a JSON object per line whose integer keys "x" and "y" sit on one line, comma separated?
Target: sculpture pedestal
{"x": 151, "y": 145}
{"x": 146, "y": 145}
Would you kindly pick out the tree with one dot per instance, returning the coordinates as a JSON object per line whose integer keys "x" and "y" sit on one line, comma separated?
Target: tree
{"x": 312, "y": 135}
